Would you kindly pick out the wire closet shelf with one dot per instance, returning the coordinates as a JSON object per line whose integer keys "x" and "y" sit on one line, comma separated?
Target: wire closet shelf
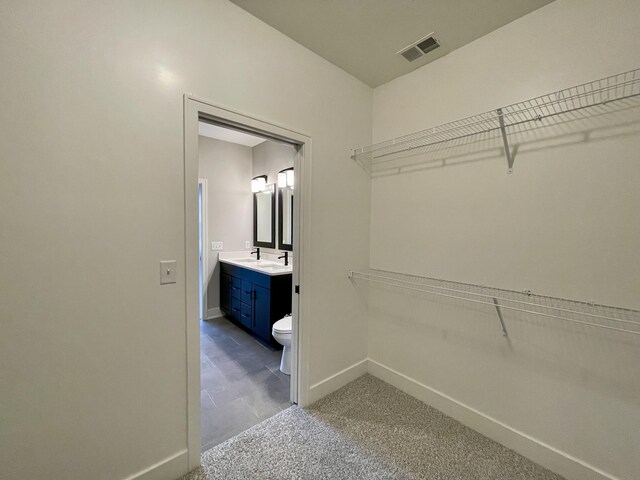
{"x": 607, "y": 95}
{"x": 584, "y": 313}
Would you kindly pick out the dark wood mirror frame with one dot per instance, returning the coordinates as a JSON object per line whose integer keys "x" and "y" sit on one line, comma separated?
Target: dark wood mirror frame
{"x": 281, "y": 245}
{"x": 272, "y": 243}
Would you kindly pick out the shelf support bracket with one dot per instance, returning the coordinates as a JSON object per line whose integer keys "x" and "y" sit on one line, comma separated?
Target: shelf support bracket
{"x": 504, "y": 327}
{"x": 505, "y": 140}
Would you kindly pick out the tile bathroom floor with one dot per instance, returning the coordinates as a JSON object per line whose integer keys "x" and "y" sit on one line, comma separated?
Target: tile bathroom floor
{"x": 241, "y": 383}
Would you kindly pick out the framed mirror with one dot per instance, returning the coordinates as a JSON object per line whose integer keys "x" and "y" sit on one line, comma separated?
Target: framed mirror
{"x": 285, "y": 218}
{"x": 264, "y": 218}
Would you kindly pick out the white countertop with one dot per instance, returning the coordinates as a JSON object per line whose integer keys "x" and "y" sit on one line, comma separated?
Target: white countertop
{"x": 268, "y": 267}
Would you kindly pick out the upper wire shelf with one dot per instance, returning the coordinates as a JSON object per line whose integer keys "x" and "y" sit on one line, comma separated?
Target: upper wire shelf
{"x": 607, "y": 95}
{"x": 606, "y": 317}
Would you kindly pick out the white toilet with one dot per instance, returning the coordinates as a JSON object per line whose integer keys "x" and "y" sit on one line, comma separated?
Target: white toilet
{"x": 281, "y": 331}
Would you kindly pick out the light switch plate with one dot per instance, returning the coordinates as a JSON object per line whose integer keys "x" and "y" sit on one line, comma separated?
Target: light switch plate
{"x": 216, "y": 245}
{"x": 168, "y": 272}
{"x": 247, "y": 244}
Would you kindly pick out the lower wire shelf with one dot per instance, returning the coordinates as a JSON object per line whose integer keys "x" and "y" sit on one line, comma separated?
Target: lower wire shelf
{"x": 606, "y": 317}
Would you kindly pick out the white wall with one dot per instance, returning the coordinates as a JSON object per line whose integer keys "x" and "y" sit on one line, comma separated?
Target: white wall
{"x": 92, "y": 350}
{"x": 564, "y": 224}
{"x": 228, "y": 170}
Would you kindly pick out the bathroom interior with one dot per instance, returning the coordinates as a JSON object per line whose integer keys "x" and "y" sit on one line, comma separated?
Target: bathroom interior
{"x": 245, "y": 191}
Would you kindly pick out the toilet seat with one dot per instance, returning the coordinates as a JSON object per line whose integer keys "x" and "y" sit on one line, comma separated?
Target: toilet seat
{"x": 283, "y": 325}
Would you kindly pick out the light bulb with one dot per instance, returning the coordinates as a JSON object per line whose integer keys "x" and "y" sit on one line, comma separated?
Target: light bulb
{"x": 258, "y": 184}
{"x": 282, "y": 180}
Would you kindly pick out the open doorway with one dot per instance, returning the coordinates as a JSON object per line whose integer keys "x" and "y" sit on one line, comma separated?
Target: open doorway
{"x": 243, "y": 289}
{"x": 246, "y": 289}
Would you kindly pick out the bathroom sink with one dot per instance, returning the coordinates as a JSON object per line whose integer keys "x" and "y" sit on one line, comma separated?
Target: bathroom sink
{"x": 254, "y": 261}
{"x": 263, "y": 263}
{"x": 278, "y": 268}
{"x": 259, "y": 263}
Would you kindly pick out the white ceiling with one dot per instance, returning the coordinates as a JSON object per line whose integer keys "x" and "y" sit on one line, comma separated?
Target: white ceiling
{"x": 228, "y": 135}
{"x": 363, "y": 36}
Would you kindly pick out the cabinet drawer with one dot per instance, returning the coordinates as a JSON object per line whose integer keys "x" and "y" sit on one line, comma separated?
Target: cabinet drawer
{"x": 236, "y": 287}
{"x": 245, "y": 292}
{"x": 245, "y": 315}
{"x": 236, "y": 309}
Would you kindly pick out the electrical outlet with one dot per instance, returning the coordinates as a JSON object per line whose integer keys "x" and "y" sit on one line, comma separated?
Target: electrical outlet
{"x": 247, "y": 244}
{"x": 216, "y": 245}
{"x": 167, "y": 272}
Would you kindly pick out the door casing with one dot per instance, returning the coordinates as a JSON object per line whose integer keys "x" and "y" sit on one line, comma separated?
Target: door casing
{"x": 194, "y": 110}
{"x": 203, "y": 184}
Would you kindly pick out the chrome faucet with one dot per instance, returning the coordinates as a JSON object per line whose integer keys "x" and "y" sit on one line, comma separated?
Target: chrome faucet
{"x": 257, "y": 251}
{"x": 286, "y": 258}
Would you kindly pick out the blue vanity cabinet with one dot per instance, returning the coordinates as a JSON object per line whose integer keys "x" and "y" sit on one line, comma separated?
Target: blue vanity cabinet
{"x": 254, "y": 300}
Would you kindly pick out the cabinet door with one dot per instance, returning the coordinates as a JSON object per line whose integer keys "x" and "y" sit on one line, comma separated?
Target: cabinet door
{"x": 261, "y": 311}
{"x": 225, "y": 293}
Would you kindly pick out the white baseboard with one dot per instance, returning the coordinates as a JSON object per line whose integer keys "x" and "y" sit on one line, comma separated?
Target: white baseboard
{"x": 214, "y": 313}
{"x": 336, "y": 381}
{"x": 539, "y": 452}
{"x": 170, "y": 468}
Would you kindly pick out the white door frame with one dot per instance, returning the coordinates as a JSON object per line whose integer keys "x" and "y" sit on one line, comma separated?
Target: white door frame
{"x": 205, "y": 248}
{"x": 194, "y": 109}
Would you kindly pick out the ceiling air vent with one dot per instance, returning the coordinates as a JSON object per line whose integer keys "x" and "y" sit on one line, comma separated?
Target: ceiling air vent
{"x": 419, "y": 48}
{"x": 412, "y": 54}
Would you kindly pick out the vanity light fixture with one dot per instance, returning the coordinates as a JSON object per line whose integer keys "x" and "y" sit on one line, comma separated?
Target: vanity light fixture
{"x": 285, "y": 178}
{"x": 259, "y": 184}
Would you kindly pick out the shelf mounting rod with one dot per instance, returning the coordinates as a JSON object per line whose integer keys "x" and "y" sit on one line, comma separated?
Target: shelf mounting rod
{"x": 504, "y": 327}
{"x": 507, "y": 150}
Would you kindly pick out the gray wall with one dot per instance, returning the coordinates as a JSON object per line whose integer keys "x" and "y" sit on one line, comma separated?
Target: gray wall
{"x": 268, "y": 159}
{"x": 271, "y": 157}
{"x": 227, "y": 168}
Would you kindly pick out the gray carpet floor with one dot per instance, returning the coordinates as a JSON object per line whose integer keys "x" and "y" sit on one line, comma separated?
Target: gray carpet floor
{"x": 366, "y": 430}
